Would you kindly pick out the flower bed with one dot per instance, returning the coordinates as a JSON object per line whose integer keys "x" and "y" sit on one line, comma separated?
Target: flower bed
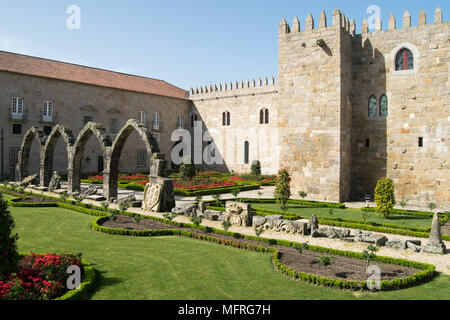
{"x": 44, "y": 277}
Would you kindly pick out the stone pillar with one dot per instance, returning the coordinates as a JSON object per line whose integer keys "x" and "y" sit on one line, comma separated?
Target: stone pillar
{"x": 73, "y": 181}
{"x": 109, "y": 185}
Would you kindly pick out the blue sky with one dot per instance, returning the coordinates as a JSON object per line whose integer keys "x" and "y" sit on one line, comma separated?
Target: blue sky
{"x": 186, "y": 43}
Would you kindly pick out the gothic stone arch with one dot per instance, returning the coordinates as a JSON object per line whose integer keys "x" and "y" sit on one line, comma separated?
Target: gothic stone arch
{"x": 49, "y": 149}
{"x": 112, "y": 166}
{"x": 34, "y": 133}
{"x": 76, "y": 154}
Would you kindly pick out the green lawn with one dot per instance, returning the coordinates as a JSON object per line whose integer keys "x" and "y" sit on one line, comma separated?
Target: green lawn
{"x": 355, "y": 214}
{"x": 175, "y": 267}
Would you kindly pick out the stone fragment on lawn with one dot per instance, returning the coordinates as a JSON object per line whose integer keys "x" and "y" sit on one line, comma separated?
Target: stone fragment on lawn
{"x": 96, "y": 198}
{"x": 413, "y": 247}
{"x": 238, "y": 214}
{"x": 396, "y": 244}
{"x": 258, "y": 221}
{"x": 370, "y": 237}
{"x": 28, "y": 180}
{"x": 90, "y": 191}
{"x": 185, "y": 210}
{"x": 55, "y": 182}
{"x": 211, "y": 215}
{"x": 313, "y": 223}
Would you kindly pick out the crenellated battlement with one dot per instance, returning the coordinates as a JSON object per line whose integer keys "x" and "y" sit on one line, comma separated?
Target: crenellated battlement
{"x": 235, "y": 88}
{"x": 392, "y": 23}
{"x": 338, "y": 20}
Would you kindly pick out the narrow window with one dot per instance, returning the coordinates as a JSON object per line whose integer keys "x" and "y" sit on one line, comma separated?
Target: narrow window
{"x": 404, "y": 60}
{"x": 143, "y": 117}
{"x": 246, "y": 152}
{"x": 180, "y": 122}
{"x": 261, "y": 116}
{"x": 266, "y": 113}
{"x": 194, "y": 118}
{"x": 141, "y": 158}
{"x": 156, "y": 121}
{"x": 367, "y": 143}
{"x": 47, "y": 111}
{"x": 420, "y": 142}
{"x": 17, "y": 109}
{"x": 384, "y": 106}
{"x": 228, "y": 118}
{"x": 17, "y": 128}
{"x": 373, "y": 108}
{"x": 13, "y": 158}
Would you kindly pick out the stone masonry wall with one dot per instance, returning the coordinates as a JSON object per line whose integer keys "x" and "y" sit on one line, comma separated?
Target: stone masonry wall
{"x": 418, "y": 107}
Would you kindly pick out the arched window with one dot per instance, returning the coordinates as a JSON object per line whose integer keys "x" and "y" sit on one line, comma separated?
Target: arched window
{"x": 226, "y": 118}
{"x": 404, "y": 60}
{"x": 194, "y": 117}
{"x": 384, "y": 106}
{"x": 246, "y": 152}
{"x": 264, "y": 116}
{"x": 373, "y": 108}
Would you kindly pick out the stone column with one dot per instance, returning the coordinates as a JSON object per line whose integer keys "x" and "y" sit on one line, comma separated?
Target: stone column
{"x": 73, "y": 181}
{"x": 109, "y": 185}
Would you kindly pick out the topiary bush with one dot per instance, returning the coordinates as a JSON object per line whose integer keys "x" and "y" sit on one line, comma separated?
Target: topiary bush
{"x": 385, "y": 197}
{"x": 283, "y": 188}
{"x": 187, "y": 169}
{"x": 256, "y": 168}
{"x": 8, "y": 248}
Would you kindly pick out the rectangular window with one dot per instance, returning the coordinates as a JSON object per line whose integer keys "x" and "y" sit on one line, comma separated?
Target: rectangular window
{"x": 143, "y": 117}
{"x": 156, "y": 121}
{"x": 17, "y": 109}
{"x": 17, "y": 128}
{"x": 114, "y": 126}
{"x": 420, "y": 142}
{"x": 13, "y": 158}
{"x": 180, "y": 122}
{"x": 141, "y": 158}
{"x": 87, "y": 119}
{"x": 367, "y": 143}
{"x": 47, "y": 111}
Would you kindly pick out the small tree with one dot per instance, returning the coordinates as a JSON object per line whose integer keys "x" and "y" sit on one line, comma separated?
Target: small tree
{"x": 8, "y": 248}
{"x": 432, "y": 206}
{"x": 235, "y": 192}
{"x": 105, "y": 205}
{"x": 226, "y": 225}
{"x": 365, "y": 214}
{"x": 123, "y": 207}
{"x": 283, "y": 189}
{"x": 260, "y": 194}
{"x": 301, "y": 247}
{"x": 137, "y": 218}
{"x": 256, "y": 168}
{"x": 302, "y": 194}
{"x": 384, "y": 197}
{"x": 196, "y": 220}
{"x": 369, "y": 254}
{"x": 259, "y": 231}
{"x": 187, "y": 169}
{"x": 330, "y": 212}
{"x": 217, "y": 198}
{"x": 403, "y": 203}
{"x": 325, "y": 260}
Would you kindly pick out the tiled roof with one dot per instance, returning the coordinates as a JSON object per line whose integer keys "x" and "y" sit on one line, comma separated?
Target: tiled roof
{"x": 17, "y": 63}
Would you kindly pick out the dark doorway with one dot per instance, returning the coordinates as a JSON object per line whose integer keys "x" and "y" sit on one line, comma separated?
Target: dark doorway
{"x": 100, "y": 164}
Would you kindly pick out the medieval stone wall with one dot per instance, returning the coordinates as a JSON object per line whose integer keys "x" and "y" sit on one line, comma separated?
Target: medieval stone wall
{"x": 418, "y": 108}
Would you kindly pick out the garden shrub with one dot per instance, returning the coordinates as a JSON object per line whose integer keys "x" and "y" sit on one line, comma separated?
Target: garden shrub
{"x": 283, "y": 188}
{"x": 8, "y": 248}
{"x": 256, "y": 168}
{"x": 384, "y": 197}
{"x": 187, "y": 169}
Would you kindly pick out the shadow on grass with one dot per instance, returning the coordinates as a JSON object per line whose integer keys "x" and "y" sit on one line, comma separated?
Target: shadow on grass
{"x": 101, "y": 281}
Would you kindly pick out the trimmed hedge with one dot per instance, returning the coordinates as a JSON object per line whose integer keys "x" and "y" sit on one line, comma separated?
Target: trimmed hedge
{"x": 427, "y": 274}
{"x": 442, "y": 215}
{"x": 85, "y": 287}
